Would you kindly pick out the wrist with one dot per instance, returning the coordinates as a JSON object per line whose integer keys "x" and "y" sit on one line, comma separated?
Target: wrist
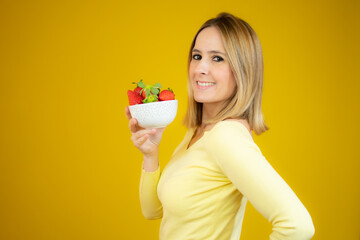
{"x": 150, "y": 163}
{"x": 151, "y": 156}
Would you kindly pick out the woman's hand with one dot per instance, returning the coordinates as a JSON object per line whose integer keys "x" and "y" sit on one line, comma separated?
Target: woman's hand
{"x": 146, "y": 140}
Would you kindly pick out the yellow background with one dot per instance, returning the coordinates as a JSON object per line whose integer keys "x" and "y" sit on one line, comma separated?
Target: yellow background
{"x": 68, "y": 169}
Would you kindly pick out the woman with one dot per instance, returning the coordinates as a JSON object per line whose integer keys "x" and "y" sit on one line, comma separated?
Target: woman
{"x": 203, "y": 190}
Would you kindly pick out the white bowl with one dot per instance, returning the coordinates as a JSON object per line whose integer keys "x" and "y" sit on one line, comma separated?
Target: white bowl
{"x": 155, "y": 114}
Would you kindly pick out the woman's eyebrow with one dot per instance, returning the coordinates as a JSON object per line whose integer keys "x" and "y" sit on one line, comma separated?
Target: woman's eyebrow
{"x": 212, "y": 51}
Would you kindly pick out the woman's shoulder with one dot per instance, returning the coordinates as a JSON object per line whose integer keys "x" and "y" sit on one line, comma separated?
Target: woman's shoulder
{"x": 232, "y": 127}
{"x": 230, "y": 134}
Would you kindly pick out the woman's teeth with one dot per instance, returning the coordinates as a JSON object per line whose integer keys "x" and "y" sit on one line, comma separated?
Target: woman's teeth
{"x": 205, "y": 84}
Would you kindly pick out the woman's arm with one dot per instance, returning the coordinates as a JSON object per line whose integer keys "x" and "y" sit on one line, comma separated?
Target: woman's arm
{"x": 243, "y": 163}
{"x": 150, "y": 204}
{"x": 147, "y": 141}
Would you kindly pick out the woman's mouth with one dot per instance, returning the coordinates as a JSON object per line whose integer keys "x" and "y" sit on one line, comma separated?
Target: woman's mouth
{"x": 204, "y": 85}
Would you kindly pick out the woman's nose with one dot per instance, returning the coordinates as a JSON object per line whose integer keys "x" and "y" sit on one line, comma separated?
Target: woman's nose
{"x": 202, "y": 67}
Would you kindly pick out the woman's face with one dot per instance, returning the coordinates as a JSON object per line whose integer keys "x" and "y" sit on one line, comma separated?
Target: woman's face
{"x": 210, "y": 75}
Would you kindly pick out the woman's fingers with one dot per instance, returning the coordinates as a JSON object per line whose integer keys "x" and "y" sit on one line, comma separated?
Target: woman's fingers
{"x": 140, "y": 141}
{"x": 127, "y": 112}
{"x": 156, "y": 137}
{"x": 133, "y": 125}
{"x": 140, "y": 137}
{"x": 141, "y": 133}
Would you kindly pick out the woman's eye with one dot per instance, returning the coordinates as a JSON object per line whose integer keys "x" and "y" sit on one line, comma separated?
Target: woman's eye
{"x": 196, "y": 57}
{"x": 218, "y": 59}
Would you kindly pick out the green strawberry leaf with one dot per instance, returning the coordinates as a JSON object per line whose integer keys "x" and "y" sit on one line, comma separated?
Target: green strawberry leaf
{"x": 141, "y": 84}
{"x": 151, "y": 98}
{"x": 158, "y": 85}
{"x": 155, "y": 91}
{"x": 147, "y": 92}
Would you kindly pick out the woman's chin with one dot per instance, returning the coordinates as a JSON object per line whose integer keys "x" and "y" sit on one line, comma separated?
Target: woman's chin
{"x": 202, "y": 98}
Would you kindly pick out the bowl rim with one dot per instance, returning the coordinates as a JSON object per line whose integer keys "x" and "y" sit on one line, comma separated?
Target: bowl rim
{"x": 152, "y": 103}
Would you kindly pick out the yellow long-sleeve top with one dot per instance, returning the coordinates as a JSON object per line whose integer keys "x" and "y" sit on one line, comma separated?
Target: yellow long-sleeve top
{"x": 203, "y": 190}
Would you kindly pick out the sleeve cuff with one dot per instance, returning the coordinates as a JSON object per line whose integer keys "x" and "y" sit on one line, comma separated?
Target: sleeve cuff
{"x": 150, "y": 173}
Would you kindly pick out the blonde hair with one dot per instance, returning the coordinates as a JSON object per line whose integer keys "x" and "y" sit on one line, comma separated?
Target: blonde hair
{"x": 244, "y": 53}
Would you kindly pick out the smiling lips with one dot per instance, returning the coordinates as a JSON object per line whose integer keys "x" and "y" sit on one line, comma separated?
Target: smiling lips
{"x": 204, "y": 85}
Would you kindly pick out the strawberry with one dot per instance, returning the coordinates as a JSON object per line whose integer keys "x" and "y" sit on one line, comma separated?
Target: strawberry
{"x": 139, "y": 86}
{"x": 134, "y": 98}
{"x": 137, "y": 90}
{"x": 167, "y": 95}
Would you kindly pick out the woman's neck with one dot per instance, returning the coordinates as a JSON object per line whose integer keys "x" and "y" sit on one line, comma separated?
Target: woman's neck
{"x": 209, "y": 111}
